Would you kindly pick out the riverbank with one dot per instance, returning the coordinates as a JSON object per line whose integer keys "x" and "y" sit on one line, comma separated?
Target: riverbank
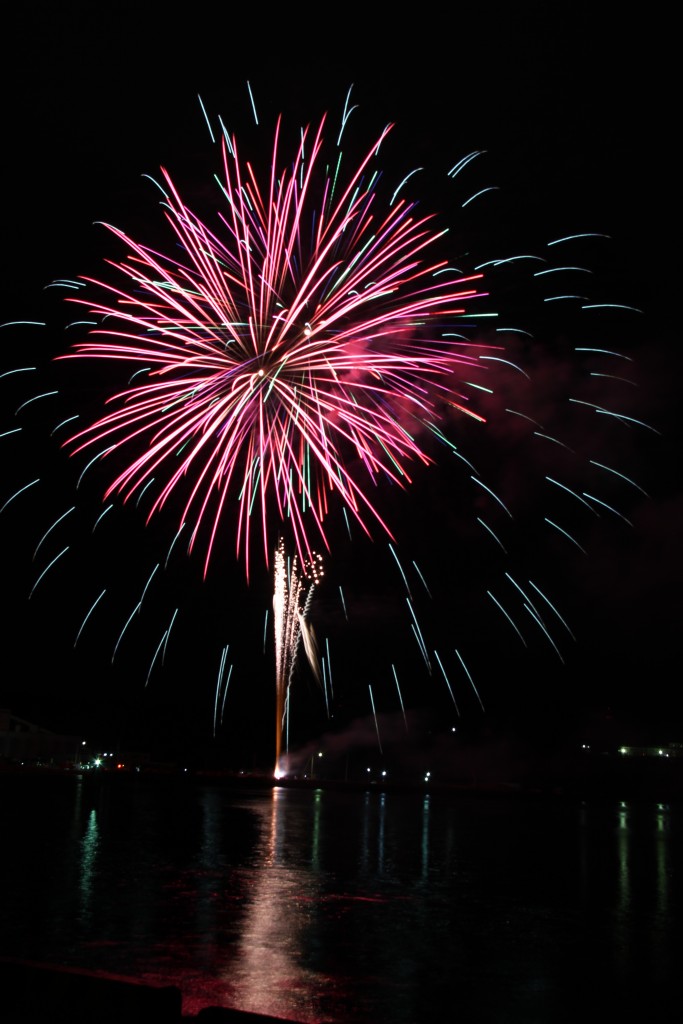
{"x": 590, "y": 777}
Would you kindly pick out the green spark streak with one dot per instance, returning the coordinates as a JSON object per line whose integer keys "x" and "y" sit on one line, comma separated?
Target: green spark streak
{"x": 403, "y": 710}
{"x": 335, "y": 175}
{"x": 463, "y": 162}
{"x": 608, "y": 507}
{"x": 148, "y": 582}
{"x": 100, "y": 455}
{"x": 225, "y": 692}
{"x": 555, "y": 270}
{"x": 92, "y": 609}
{"x": 505, "y": 362}
{"x": 17, "y": 493}
{"x": 168, "y": 633}
{"x": 489, "y": 491}
{"x": 206, "y": 117}
{"x": 621, "y": 475}
{"x": 182, "y": 527}
{"x": 525, "y": 596}
{"x": 374, "y": 713}
{"x": 400, "y": 568}
{"x": 491, "y": 188}
{"x": 69, "y": 419}
{"x": 613, "y": 376}
{"x": 499, "y": 605}
{"x": 509, "y": 259}
{"x": 156, "y": 654}
{"x": 547, "y": 437}
{"x": 450, "y": 689}
{"x": 409, "y": 175}
{"x": 565, "y": 534}
{"x": 424, "y": 582}
{"x": 323, "y": 666}
{"x": 612, "y": 305}
{"x": 329, "y": 665}
{"x": 573, "y": 494}
{"x": 45, "y": 394}
{"x": 552, "y": 608}
{"x": 419, "y": 633}
{"x": 467, "y": 673}
{"x": 487, "y": 527}
{"x": 47, "y": 568}
{"x": 571, "y": 238}
{"x": 537, "y": 619}
{"x": 49, "y": 531}
{"x": 148, "y": 484}
{"x": 605, "y": 352}
{"x": 345, "y": 115}
{"x": 19, "y": 369}
{"x": 514, "y": 412}
{"x": 253, "y": 105}
{"x": 628, "y": 419}
{"x": 128, "y": 622}
{"x": 420, "y": 643}
{"x": 101, "y": 517}
{"x": 219, "y": 684}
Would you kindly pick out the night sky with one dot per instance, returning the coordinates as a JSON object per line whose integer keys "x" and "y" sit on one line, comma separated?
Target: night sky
{"x": 573, "y": 121}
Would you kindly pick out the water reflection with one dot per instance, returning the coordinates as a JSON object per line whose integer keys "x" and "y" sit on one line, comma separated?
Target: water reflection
{"x": 89, "y": 848}
{"x": 623, "y": 873}
{"x": 425, "y": 837}
{"x": 663, "y": 857}
{"x": 264, "y": 972}
{"x": 349, "y": 907}
{"x": 626, "y": 875}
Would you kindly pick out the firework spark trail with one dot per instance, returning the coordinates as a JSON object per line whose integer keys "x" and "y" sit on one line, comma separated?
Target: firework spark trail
{"x": 221, "y": 687}
{"x": 448, "y": 682}
{"x": 89, "y": 613}
{"x": 47, "y": 569}
{"x": 51, "y": 528}
{"x": 400, "y": 696}
{"x": 418, "y": 634}
{"x": 17, "y": 493}
{"x": 374, "y": 715}
{"x": 401, "y": 570}
{"x": 290, "y": 626}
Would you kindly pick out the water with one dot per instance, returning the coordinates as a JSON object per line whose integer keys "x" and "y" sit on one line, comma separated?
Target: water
{"x": 390, "y": 908}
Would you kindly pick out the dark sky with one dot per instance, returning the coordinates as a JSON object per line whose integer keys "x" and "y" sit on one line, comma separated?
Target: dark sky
{"x": 573, "y": 117}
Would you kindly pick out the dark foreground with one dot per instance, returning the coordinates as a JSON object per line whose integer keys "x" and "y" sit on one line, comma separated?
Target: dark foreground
{"x": 36, "y": 992}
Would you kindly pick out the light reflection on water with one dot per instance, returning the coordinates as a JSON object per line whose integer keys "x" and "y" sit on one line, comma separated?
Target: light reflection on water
{"x": 348, "y": 907}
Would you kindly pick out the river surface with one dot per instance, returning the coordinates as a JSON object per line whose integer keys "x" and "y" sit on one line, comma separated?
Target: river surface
{"x": 350, "y": 907}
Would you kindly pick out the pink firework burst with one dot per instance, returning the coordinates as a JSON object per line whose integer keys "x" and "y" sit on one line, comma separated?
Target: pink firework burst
{"x": 298, "y": 349}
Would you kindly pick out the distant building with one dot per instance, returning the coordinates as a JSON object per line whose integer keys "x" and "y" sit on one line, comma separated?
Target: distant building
{"x": 22, "y": 741}
{"x": 669, "y": 750}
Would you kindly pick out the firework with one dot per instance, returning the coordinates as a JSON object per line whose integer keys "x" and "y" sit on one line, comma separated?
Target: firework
{"x": 294, "y": 352}
{"x": 295, "y": 349}
{"x": 291, "y": 601}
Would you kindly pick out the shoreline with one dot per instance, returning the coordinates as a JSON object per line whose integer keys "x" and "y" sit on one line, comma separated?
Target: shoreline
{"x": 608, "y": 778}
